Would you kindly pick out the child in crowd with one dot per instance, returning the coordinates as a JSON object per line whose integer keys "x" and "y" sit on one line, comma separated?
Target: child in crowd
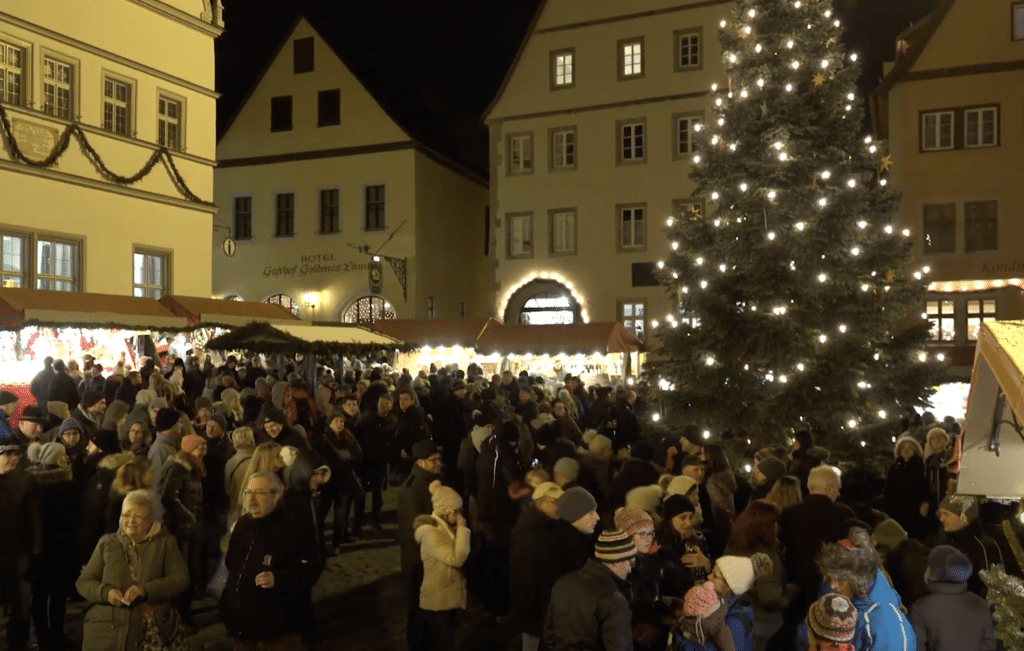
{"x": 950, "y": 618}
{"x": 704, "y": 618}
{"x": 831, "y": 624}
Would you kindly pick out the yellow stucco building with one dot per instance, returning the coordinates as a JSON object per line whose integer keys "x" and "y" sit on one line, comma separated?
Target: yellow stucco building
{"x": 318, "y": 174}
{"x": 950, "y": 107}
{"x": 131, "y": 78}
{"x": 591, "y": 148}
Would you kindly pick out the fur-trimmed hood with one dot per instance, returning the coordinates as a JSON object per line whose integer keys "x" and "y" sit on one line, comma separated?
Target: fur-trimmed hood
{"x": 907, "y": 438}
{"x": 51, "y": 475}
{"x": 115, "y": 461}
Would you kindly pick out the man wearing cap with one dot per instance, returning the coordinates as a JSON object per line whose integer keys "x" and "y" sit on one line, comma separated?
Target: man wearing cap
{"x": 167, "y": 442}
{"x": 8, "y": 405}
{"x": 588, "y": 609}
{"x": 89, "y": 413}
{"x": 962, "y": 529}
{"x": 533, "y": 565}
{"x": 21, "y": 540}
{"x": 30, "y": 430}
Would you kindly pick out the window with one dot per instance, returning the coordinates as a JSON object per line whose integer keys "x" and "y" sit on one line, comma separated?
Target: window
{"x": 375, "y": 208}
{"x": 563, "y": 70}
{"x": 302, "y": 52}
{"x": 285, "y": 301}
{"x": 632, "y": 317}
{"x": 328, "y": 108}
{"x": 631, "y": 141}
{"x": 688, "y": 50}
{"x": 329, "y": 211}
{"x": 631, "y": 228}
{"x": 520, "y": 235}
{"x": 686, "y": 128}
{"x": 937, "y": 131}
{"x": 562, "y": 235}
{"x": 520, "y": 153}
{"x": 563, "y": 148}
{"x": 12, "y": 249}
{"x": 284, "y": 225}
{"x": 117, "y": 98}
{"x": 979, "y": 311}
{"x": 368, "y": 310}
{"x": 243, "y": 218}
{"x": 57, "y": 81}
{"x": 981, "y": 127}
{"x": 149, "y": 274}
{"x": 281, "y": 113}
{"x": 981, "y": 226}
{"x": 941, "y": 317}
{"x": 169, "y": 122}
{"x": 548, "y": 308}
{"x": 12, "y": 71}
{"x": 1018, "y": 21}
{"x": 940, "y": 228}
{"x": 56, "y": 265}
{"x": 686, "y": 210}
{"x": 631, "y": 58}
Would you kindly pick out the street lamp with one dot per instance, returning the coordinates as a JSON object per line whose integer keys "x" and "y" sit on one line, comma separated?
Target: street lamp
{"x": 310, "y": 299}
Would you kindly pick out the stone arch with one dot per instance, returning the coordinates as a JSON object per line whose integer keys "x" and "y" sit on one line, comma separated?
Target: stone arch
{"x": 542, "y": 301}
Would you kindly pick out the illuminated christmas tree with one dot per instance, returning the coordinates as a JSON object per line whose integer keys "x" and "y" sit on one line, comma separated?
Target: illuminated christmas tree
{"x": 797, "y": 302}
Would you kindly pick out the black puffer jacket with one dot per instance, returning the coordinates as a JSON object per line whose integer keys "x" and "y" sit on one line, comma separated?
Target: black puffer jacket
{"x": 534, "y": 569}
{"x": 275, "y": 544}
{"x": 58, "y": 496}
{"x": 412, "y": 427}
{"x": 21, "y": 515}
{"x": 906, "y": 488}
{"x": 182, "y": 498}
{"x": 588, "y": 611}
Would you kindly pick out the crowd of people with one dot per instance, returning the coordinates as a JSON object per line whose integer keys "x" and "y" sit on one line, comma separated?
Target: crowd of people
{"x": 538, "y": 506}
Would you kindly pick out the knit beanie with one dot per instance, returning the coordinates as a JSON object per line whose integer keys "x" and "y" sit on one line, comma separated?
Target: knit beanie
{"x": 547, "y": 489}
{"x": 600, "y": 446}
{"x": 890, "y": 534}
{"x": 46, "y": 454}
{"x": 445, "y": 500}
{"x": 106, "y": 440}
{"x": 545, "y": 435}
{"x": 680, "y": 485}
{"x": 645, "y": 498}
{"x": 738, "y": 572}
{"x": 202, "y": 402}
{"x": 964, "y": 506}
{"x": 575, "y": 503}
{"x": 632, "y": 520}
{"x": 614, "y": 546}
{"x": 701, "y": 600}
{"x": 568, "y": 468}
{"x": 90, "y": 398}
{"x": 166, "y": 418}
{"x": 772, "y": 468}
{"x": 947, "y": 564}
{"x": 69, "y": 424}
{"x": 220, "y": 420}
{"x": 832, "y": 618}
{"x": 275, "y": 416}
{"x": 191, "y": 443}
{"x": 677, "y": 505}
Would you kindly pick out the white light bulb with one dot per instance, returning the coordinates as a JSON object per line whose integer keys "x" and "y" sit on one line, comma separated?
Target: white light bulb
{"x": 778, "y": 146}
{"x": 877, "y": 356}
{"x": 855, "y": 250}
{"x": 732, "y": 146}
{"x": 824, "y": 63}
{"x": 800, "y": 366}
{"x": 771, "y": 235}
{"x": 851, "y": 183}
{"x": 828, "y": 13}
{"x": 822, "y": 202}
{"x": 718, "y": 222}
{"x": 732, "y": 58}
{"x": 864, "y": 287}
{"x": 718, "y": 101}
{"x": 696, "y": 160}
{"x": 698, "y": 126}
{"x": 940, "y": 357}
{"x": 837, "y": 23}
{"x": 888, "y": 229}
{"x": 862, "y": 224}
{"x": 710, "y": 361}
{"x": 852, "y": 423}
{"x": 747, "y": 467}
{"x": 699, "y": 261}
{"x": 656, "y": 417}
{"x": 751, "y": 13}
{"x": 783, "y": 156}
{"x": 881, "y": 413}
{"x": 714, "y": 196}
{"x": 883, "y": 182}
{"x": 872, "y": 149}
{"x": 789, "y": 88}
{"x": 747, "y": 30}
{"x": 797, "y": 4}
{"x": 721, "y": 268}
{"x": 842, "y": 329}
{"x": 822, "y": 338}
{"x": 848, "y": 108}
{"x": 927, "y": 270}
{"x": 743, "y": 187}
{"x": 867, "y": 140}
{"x": 822, "y": 278}
{"x": 668, "y": 222}
{"x": 853, "y": 57}
{"x": 714, "y": 87}
{"x": 863, "y": 444}
{"x": 714, "y": 140}
{"x": 722, "y": 24}
{"x": 703, "y": 284}
{"x": 758, "y": 48}
{"x": 654, "y": 324}
{"x": 771, "y": 194}
{"x": 790, "y": 44}
{"x": 922, "y": 356}
{"x": 675, "y": 246}
{"x": 707, "y": 434}
{"x": 796, "y": 65}
{"x": 917, "y": 275}
{"x": 686, "y": 290}
{"x": 800, "y": 226}
{"x": 721, "y": 122}
{"x": 906, "y": 232}
{"x": 661, "y": 264}
{"x": 743, "y": 94}
{"x": 826, "y": 175}
{"x": 760, "y": 83}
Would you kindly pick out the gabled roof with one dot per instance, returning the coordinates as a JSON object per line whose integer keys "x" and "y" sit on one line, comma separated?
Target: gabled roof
{"x": 917, "y": 37}
{"x": 515, "y": 61}
{"x": 570, "y": 339}
{"x": 461, "y": 142}
{"x": 435, "y": 332}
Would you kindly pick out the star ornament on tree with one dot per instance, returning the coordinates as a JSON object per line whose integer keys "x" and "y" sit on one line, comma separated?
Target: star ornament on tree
{"x": 818, "y": 79}
{"x": 885, "y": 163}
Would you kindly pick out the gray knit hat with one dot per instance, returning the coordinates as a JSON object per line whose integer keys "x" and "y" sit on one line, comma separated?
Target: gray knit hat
{"x": 576, "y": 503}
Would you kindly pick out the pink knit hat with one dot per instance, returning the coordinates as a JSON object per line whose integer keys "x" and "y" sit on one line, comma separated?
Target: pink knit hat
{"x": 632, "y": 520}
{"x": 701, "y": 601}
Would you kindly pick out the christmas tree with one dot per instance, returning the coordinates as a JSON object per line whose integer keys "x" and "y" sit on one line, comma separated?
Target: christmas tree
{"x": 797, "y": 303}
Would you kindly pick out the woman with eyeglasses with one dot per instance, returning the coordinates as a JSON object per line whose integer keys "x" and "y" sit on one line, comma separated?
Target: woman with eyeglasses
{"x": 131, "y": 580}
{"x": 649, "y": 612}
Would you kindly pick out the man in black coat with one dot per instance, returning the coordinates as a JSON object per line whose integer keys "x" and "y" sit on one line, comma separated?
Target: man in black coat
{"x": 21, "y": 541}
{"x": 40, "y": 385}
{"x": 63, "y": 387}
{"x": 412, "y": 428}
{"x": 270, "y": 564}
{"x": 375, "y": 432}
{"x": 962, "y": 529}
{"x": 637, "y": 471}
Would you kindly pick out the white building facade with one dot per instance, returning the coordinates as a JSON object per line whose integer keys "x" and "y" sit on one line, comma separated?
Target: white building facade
{"x": 591, "y": 147}
{"x": 128, "y": 86}
{"x": 316, "y": 178}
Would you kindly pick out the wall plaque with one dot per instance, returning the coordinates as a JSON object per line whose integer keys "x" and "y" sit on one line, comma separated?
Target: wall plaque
{"x": 35, "y": 140}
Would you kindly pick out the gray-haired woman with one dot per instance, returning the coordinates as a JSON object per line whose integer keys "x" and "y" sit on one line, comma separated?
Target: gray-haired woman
{"x": 130, "y": 581}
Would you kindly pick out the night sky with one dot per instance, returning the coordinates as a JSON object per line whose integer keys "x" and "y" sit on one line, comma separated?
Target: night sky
{"x": 453, "y": 54}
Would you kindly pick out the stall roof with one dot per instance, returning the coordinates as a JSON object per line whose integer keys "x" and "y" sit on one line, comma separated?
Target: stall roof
{"x": 992, "y": 443}
{"x": 572, "y": 339}
{"x": 285, "y": 339}
{"x": 26, "y": 307}
{"x": 435, "y": 332}
{"x": 223, "y": 312}
{"x": 342, "y": 334}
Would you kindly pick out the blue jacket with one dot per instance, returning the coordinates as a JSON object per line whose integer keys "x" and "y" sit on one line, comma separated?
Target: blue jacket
{"x": 7, "y": 435}
{"x": 739, "y": 617}
{"x": 881, "y": 625}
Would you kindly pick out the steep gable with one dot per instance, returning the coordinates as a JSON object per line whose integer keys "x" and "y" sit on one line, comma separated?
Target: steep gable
{"x": 363, "y": 121}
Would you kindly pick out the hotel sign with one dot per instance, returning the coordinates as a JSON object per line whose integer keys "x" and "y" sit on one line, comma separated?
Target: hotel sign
{"x": 314, "y": 263}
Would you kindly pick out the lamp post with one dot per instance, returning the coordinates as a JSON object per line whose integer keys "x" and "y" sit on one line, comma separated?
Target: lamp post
{"x": 310, "y": 299}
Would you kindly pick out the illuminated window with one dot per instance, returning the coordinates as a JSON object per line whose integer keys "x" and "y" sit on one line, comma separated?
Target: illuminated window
{"x": 149, "y": 274}
{"x": 285, "y": 301}
{"x": 40, "y": 262}
{"x": 57, "y": 265}
{"x": 633, "y": 317}
{"x": 368, "y": 310}
{"x": 117, "y": 105}
{"x": 942, "y": 320}
{"x": 940, "y": 228}
{"x": 563, "y": 72}
{"x": 631, "y": 59}
{"x": 12, "y": 71}
{"x": 979, "y": 311}
{"x": 57, "y": 82}
{"x": 548, "y": 309}
{"x": 12, "y": 250}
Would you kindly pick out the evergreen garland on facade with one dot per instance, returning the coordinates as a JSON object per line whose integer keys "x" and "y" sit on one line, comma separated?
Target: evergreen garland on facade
{"x": 161, "y": 153}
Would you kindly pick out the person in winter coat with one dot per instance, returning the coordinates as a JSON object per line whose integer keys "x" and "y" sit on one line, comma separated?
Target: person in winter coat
{"x": 95, "y": 500}
{"x": 683, "y": 550}
{"x": 135, "y": 475}
{"x": 63, "y": 387}
{"x": 89, "y": 413}
{"x": 597, "y": 464}
{"x": 21, "y": 540}
{"x": 638, "y": 471}
{"x": 936, "y": 467}
{"x": 269, "y": 572}
{"x": 444, "y": 540}
{"x": 763, "y": 476}
{"x": 906, "y": 487}
{"x": 645, "y": 580}
{"x": 182, "y": 498}
{"x": 732, "y": 577}
{"x": 905, "y": 560}
{"x": 339, "y": 447}
{"x": 130, "y": 581}
{"x": 376, "y": 433}
{"x": 70, "y": 436}
{"x": 721, "y": 486}
{"x": 412, "y": 428}
{"x": 219, "y": 449}
{"x": 167, "y": 442}
{"x": 236, "y": 470}
{"x": 549, "y": 446}
{"x": 533, "y": 564}
{"x": 962, "y": 529}
{"x": 704, "y": 618}
{"x": 40, "y": 385}
{"x": 55, "y": 569}
{"x": 951, "y": 618}
{"x": 588, "y": 609}
{"x": 832, "y": 624}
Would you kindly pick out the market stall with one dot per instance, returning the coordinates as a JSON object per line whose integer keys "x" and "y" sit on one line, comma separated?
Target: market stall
{"x": 305, "y": 338}
{"x": 436, "y": 341}
{"x": 211, "y": 317}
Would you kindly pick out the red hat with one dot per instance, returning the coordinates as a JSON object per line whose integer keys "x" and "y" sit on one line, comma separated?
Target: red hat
{"x": 191, "y": 443}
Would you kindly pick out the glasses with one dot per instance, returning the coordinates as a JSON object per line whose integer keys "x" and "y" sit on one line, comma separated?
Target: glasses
{"x": 646, "y": 535}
